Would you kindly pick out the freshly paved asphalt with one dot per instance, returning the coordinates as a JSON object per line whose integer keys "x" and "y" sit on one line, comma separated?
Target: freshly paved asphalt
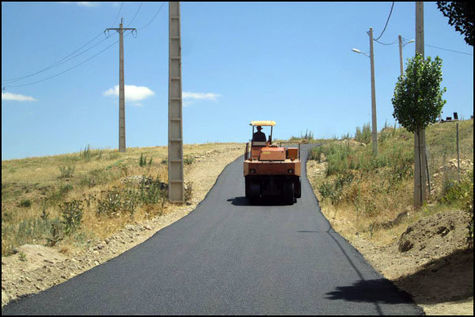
{"x": 227, "y": 257}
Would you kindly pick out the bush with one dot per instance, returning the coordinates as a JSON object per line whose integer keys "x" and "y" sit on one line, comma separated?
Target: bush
{"x": 110, "y": 204}
{"x": 130, "y": 201}
{"x": 457, "y": 192}
{"x": 188, "y": 160}
{"x": 71, "y": 213}
{"x": 150, "y": 191}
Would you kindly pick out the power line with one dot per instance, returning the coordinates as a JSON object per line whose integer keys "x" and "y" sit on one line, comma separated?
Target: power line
{"x": 118, "y": 13}
{"x": 450, "y": 50}
{"x": 441, "y": 48}
{"x": 136, "y": 12}
{"x": 153, "y": 18}
{"x": 382, "y": 43}
{"x": 77, "y": 65}
{"x": 429, "y": 45}
{"x": 392, "y": 6}
{"x": 68, "y": 57}
{"x": 71, "y": 68}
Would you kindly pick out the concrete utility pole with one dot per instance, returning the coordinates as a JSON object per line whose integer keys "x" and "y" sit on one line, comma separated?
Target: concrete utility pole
{"x": 121, "y": 84}
{"x": 420, "y": 166}
{"x": 175, "y": 126}
{"x": 373, "y": 95}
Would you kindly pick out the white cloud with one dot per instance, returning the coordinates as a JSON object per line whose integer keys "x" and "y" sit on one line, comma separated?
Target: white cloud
{"x": 199, "y": 95}
{"x": 87, "y": 4}
{"x": 190, "y": 97}
{"x": 132, "y": 93}
{"x": 16, "y": 97}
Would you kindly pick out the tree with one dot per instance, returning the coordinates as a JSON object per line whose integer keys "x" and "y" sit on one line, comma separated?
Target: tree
{"x": 461, "y": 14}
{"x": 418, "y": 102}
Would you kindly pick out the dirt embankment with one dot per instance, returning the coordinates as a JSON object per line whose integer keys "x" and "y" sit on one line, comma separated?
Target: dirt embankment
{"x": 35, "y": 267}
{"x": 428, "y": 257}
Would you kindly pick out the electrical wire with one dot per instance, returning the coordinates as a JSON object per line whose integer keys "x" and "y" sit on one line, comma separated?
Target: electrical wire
{"x": 72, "y": 55}
{"x": 136, "y": 12}
{"x": 387, "y": 21}
{"x": 68, "y": 57}
{"x": 441, "y": 48}
{"x": 153, "y": 18}
{"x": 118, "y": 13}
{"x": 71, "y": 68}
{"x": 450, "y": 50}
{"x": 385, "y": 43}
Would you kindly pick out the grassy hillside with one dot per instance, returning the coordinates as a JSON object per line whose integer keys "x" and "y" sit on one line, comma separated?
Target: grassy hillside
{"x": 369, "y": 192}
{"x": 68, "y": 200}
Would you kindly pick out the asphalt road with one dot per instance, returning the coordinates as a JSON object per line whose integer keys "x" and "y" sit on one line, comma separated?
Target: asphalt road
{"x": 227, "y": 257}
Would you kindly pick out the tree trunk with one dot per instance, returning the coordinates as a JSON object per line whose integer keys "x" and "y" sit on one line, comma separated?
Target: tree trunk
{"x": 420, "y": 169}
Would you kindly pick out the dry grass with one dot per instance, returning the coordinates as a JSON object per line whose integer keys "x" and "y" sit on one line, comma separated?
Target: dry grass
{"x": 34, "y": 188}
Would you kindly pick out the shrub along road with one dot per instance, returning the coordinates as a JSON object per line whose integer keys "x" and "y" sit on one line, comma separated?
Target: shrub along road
{"x": 227, "y": 257}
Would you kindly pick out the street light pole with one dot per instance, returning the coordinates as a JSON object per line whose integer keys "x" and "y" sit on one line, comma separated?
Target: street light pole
{"x": 373, "y": 95}
{"x": 400, "y": 54}
{"x": 401, "y": 45}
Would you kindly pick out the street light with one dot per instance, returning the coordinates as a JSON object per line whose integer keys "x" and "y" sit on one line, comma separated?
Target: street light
{"x": 373, "y": 91}
{"x": 401, "y": 45}
{"x": 359, "y": 52}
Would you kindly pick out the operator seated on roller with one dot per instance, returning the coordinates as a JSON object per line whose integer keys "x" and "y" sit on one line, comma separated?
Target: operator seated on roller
{"x": 259, "y": 136}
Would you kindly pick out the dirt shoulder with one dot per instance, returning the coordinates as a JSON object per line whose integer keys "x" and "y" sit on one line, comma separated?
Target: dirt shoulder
{"x": 35, "y": 268}
{"x": 425, "y": 255}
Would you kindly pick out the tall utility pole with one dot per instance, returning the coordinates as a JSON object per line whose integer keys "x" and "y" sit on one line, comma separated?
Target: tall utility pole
{"x": 175, "y": 126}
{"x": 420, "y": 168}
{"x": 121, "y": 84}
{"x": 373, "y": 95}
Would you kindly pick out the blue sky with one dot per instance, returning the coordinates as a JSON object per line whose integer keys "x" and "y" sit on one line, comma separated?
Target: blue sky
{"x": 291, "y": 62}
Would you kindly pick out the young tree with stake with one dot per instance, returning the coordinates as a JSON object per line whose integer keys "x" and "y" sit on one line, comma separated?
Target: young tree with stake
{"x": 418, "y": 102}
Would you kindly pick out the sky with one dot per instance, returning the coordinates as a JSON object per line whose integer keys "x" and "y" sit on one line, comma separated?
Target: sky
{"x": 291, "y": 62}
